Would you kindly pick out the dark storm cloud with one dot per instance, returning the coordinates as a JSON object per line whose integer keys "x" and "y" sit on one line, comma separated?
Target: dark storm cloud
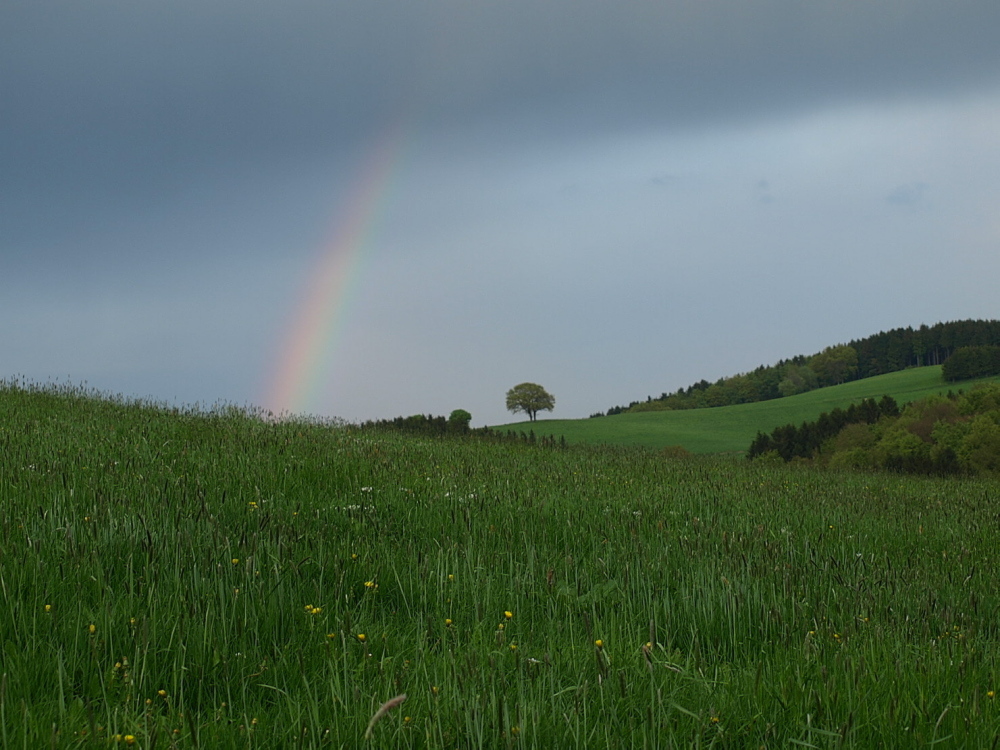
{"x": 129, "y": 103}
{"x": 133, "y": 94}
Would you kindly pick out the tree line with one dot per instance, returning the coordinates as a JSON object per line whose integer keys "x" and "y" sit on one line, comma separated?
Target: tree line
{"x": 942, "y": 435}
{"x": 457, "y": 425}
{"x": 884, "y": 352}
{"x": 972, "y": 362}
{"x": 789, "y": 442}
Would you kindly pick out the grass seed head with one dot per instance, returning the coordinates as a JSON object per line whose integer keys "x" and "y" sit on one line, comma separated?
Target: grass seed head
{"x": 383, "y": 710}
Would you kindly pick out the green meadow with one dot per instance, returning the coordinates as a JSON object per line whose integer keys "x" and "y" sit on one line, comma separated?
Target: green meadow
{"x": 182, "y": 579}
{"x": 730, "y": 429}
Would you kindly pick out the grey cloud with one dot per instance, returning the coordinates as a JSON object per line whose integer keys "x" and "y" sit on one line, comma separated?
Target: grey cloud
{"x": 608, "y": 161}
{"x": 910, "y": 195}
{"x": 128, "y": 102}
{"x": 189, "y": 80}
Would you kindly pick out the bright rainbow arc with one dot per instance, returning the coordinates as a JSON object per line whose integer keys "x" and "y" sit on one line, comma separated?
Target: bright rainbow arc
{"x": 306, "y": 358}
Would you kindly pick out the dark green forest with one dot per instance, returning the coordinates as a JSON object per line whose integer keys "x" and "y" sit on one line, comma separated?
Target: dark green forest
{"x": 884, "y": 352}
{"x": 942, "y": 435}
{"x": 970, "y": 362}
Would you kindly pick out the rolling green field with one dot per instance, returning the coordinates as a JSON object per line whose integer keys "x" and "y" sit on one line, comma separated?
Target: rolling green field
{"x": 729, "y": 429}
{"x": 177, "y": 579}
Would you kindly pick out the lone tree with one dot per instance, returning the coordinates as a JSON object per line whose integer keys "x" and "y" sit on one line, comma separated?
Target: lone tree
{"x": 530, "y": 398}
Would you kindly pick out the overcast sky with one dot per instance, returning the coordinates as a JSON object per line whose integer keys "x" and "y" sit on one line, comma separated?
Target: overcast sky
{"x": 611, "y": 199}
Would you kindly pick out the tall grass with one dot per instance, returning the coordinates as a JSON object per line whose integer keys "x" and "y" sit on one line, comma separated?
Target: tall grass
{"x": 209, "y": 579}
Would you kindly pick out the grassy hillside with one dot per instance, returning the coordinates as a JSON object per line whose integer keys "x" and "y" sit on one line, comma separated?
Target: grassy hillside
{"x": 732, "y": 428}
{"x": 181, "y": 580}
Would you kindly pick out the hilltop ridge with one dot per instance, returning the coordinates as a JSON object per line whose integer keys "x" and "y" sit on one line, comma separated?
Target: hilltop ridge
{"x": 879, "y": 354}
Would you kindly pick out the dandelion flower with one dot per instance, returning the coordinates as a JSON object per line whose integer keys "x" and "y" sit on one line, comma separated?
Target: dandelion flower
{"x": 508, "y": 614}
{"x": 513, "y": 647}
{"x": 129, "y": 739}
{"x": 48, "y": 607}
{"x": 236, "y": 561}
{"x": 599, "y": 643}
{"x": 361, "y": 637}
{"x": 990, "y": 694}
{"x": 92, "y": 628}
{"x": 162, "y": 693}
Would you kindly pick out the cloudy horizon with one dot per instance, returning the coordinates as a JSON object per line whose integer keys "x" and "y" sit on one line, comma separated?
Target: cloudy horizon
{"x": 612, "y": 200}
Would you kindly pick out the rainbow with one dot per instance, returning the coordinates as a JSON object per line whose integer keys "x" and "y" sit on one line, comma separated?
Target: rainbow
{"x": 306, "y": 350}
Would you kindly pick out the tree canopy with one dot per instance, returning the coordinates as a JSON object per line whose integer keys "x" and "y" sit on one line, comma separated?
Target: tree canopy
{"x": 972, "y": 362}
{"x": 953, "y": 434}
{"x": 458, "y": 420}
{"x": 529, "y": 398}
